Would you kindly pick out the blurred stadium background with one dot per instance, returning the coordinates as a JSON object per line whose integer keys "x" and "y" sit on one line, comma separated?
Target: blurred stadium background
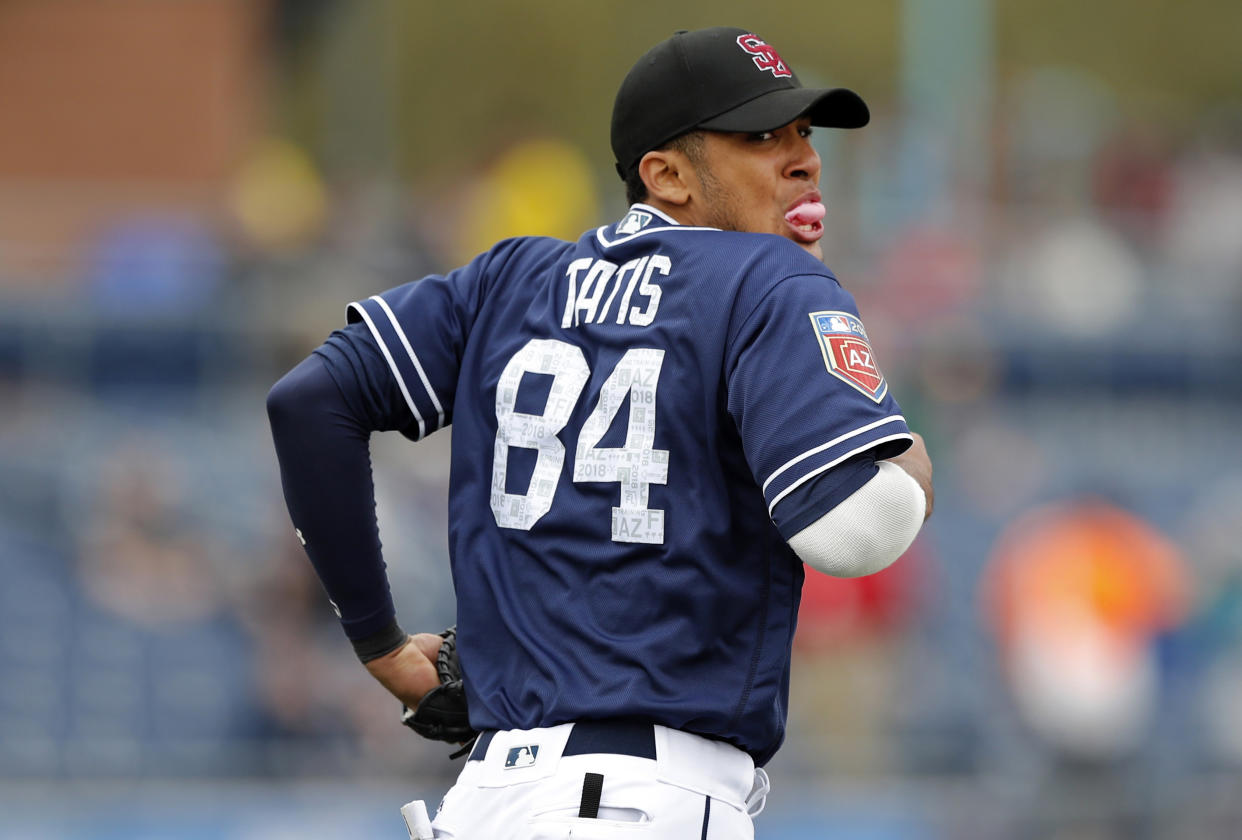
{"x": 1042, "y": 225}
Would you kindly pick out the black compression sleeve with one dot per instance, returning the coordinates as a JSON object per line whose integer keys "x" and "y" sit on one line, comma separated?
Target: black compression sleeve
{"x": 385, "y": 641}
{"x": 325, "y": 470}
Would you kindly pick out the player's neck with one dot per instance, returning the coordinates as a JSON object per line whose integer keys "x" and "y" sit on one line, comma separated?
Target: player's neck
{"x": 680, "y": 213}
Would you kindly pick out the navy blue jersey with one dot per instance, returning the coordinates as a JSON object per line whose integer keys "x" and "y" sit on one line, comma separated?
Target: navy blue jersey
{"x": 640, "y": 420}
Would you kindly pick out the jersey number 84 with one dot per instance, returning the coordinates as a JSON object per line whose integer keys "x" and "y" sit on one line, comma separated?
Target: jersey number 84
{"x": 635, "y": 466}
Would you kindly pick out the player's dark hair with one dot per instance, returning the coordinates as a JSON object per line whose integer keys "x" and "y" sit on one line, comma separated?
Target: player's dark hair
{"x": 689, "y": 144}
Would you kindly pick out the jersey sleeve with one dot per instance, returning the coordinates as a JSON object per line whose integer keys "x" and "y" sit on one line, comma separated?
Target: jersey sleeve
{"x": 420, "y": 330}
{"x": 809, "y": 399}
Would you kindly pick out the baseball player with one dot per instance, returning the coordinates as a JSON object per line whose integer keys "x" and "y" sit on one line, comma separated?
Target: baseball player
{"x": 655, "y": 428}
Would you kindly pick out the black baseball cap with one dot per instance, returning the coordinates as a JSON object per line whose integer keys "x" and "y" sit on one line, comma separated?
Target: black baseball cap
{"x": 721, "y": 78}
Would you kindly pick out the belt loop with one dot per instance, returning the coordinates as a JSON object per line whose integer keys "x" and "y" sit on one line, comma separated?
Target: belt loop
{"x": 592, "y": 792}
{"x": 479, "y": 751}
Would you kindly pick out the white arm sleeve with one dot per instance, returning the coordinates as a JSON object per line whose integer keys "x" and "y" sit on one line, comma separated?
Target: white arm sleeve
{"x": 869, "y": 530}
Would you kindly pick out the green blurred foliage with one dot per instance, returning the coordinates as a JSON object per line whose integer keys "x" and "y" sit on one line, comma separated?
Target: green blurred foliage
{"x": 428, "y": 90}
{"x": 520, "y": 67}
{"x": 1167, "y": 60}
{"x": 456, "y": 82}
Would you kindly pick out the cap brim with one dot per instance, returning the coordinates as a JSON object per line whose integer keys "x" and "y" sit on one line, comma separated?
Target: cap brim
{"x": 831, "y": 108}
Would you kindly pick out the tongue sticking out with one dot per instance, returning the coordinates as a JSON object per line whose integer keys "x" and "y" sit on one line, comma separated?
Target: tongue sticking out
{"x": 806, "y": 214}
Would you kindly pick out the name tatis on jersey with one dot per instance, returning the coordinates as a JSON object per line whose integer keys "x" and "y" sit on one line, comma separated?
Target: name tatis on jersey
{"x": 595, "y": 286}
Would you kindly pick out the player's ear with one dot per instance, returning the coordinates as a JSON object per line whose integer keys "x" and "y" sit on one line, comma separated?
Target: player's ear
{"x": 665, "y": 172}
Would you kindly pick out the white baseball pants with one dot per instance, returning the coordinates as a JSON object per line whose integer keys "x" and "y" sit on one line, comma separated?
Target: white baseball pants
{"x": 607, "y": 781}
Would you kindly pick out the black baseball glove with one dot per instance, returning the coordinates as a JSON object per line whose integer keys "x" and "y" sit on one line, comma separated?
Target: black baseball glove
{"x": 441, "y": 714}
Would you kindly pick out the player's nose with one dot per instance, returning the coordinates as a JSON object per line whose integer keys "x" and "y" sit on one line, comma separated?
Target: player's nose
{"x": 804, "y": 162}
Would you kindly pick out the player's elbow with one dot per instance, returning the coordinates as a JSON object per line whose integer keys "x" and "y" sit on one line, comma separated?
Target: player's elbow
{"x": 282, "y": 402}
{"x": 868, "y": 531}
{"x": 865, "y": 553}
{"x": 288, "y": 399}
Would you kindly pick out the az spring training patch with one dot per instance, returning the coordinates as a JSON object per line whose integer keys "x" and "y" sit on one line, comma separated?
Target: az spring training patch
{"x": 847, "y": 353}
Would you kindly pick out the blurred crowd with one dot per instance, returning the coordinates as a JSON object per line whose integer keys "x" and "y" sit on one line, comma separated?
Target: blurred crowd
{"x": 1064, "y": 639}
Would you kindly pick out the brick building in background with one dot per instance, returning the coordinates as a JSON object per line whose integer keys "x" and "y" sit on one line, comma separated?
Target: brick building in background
{"x": 114, "y": 109}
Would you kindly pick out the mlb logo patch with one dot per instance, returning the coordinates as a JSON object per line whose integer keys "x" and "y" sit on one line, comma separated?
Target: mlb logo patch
{"x": 634, "y": 221}
{"x": 847, "y": 352}
{"x": 523, "y": 756}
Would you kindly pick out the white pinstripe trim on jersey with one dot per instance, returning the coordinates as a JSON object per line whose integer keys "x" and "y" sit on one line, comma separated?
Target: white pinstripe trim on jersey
{"x": 833, "y": 463}
{"x": 405, "y": 392}
{"x": 645, "y": 208}
{"x": 599, "y": 233}
{"x": 835, "y": 441}
{"x": 405, "y": 342}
